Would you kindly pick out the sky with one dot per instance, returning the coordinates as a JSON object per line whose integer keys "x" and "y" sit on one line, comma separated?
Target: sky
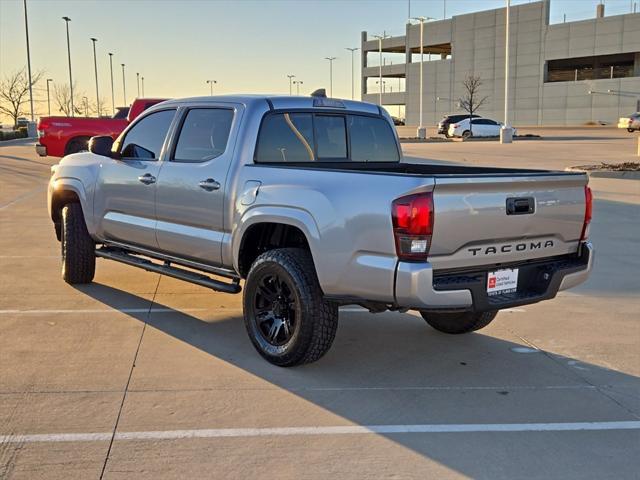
{"x": 245, "y": 45}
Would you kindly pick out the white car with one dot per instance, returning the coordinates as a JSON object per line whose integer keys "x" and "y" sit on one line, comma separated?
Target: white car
{"x": 631, "y": 123}
{"x": 481, "y": 127}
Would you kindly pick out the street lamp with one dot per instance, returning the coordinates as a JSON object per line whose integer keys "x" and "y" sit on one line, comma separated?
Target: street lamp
{"x": 26, "y": 29}
{"x": 95, "y": 66}
{"x": 297, "y": 84}
{"x": 67, "y": 20}
{"x": 352, "y": 70}
{"x": 290, "y": 77}
{"x": 138, "y": 83}
{"x": 331, "y": 59}
{"x": 422, "y": 131}
{"x": 211, "y": 82}
{"x": 380, "y": 38}
{"x": 48, "y": 97}
{"x": 113, "y": 100}
{"x": 142, "y": 78}
{"x": 124, "y": 86}
{"x": 382, "y": 84}
{"x": 506, "y": 132}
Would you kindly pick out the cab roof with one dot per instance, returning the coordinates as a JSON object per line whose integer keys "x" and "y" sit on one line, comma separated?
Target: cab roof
{"x": 278, "y": 102}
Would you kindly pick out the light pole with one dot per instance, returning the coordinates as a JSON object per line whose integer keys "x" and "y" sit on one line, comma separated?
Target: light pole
{"x": 380, "y": 38}
{"x": 352, "y": 70}
{"x": 124, "y": 86}
{"x": 331, "y": 59}
{"x": 48, "y": 97}
{"x": 138, "y": 83}
{"x": 297, "y": 84}
{"x": 113, "y": 100}
{"x": 290, "y": 77}
{"x": 422, "y": 131}
{"x": 383, "y": 85}
{"x": 95, "y": 66}
{"x": 506, "y": 132}
{"x": 142, "y": 78}
{"x": 67, "y": 20}
{"x": 26, "y": 29}
{"x": 211, "y": 82}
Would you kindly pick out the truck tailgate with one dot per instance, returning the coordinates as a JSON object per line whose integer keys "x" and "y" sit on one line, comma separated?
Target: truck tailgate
{"x": 497, "y": 219}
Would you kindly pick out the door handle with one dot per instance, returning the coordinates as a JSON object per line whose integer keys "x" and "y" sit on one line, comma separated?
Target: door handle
{"x": 147, "y": 179}
{"x": 209, "y": 185}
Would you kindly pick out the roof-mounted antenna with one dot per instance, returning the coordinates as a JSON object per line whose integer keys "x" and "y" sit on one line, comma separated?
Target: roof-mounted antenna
{"x": 321, "y": 93}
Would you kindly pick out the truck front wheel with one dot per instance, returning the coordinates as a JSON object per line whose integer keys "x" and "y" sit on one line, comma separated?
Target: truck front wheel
{"x": 77, "y": 247}
{"x": 286, "y": 315}
{"x": 459, "y": 322}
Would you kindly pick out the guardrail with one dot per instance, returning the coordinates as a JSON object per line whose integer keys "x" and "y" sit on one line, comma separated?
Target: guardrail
{"x": 577, "y": 74}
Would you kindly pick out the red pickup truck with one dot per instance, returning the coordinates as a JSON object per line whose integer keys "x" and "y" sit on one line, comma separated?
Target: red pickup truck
{"x": 60, "y": 136}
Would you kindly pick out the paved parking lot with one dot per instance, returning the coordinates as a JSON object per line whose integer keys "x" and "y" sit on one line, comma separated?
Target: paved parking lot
{"x": 142, "y": 376}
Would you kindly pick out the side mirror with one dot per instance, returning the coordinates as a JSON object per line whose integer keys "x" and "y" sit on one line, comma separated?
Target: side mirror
{"x": 101, "y": 146}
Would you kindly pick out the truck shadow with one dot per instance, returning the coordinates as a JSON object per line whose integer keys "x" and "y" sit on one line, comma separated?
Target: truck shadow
{"x": 391, "y": 369}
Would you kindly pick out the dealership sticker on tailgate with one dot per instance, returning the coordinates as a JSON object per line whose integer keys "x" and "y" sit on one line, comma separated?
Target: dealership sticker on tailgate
{"x": 502, "y": 281}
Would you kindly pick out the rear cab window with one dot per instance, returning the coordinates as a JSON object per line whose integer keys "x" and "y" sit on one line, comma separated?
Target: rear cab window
{"x": 302, "y": 137}
{"x": 203, "y": 135}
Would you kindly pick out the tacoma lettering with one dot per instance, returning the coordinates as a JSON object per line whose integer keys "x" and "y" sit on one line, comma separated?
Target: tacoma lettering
{"x": 520, "y": 247}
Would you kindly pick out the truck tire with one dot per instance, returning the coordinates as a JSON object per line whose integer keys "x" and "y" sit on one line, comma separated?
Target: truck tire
{"x": 459, "y": 322}
{"x": 286, "y": 315}
{"x": 78, "y": 144}
{"x": 77, "y": 247}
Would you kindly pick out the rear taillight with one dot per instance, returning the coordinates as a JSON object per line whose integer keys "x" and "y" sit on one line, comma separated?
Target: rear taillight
{"x": 412, "y": 218}
{"x": 455, "y": 125}
{"x": 588, "y": 208}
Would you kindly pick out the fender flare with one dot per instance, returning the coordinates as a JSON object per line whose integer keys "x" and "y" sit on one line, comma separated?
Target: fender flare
{"x": 295, "y": 217}
{"x": 71, "y": 184}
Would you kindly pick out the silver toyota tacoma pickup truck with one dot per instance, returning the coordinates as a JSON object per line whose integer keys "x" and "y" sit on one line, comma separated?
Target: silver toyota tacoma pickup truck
{"x": 307, "y": 204}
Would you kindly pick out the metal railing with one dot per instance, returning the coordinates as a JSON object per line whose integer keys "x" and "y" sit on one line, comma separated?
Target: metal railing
{"x": 577, "y": 74}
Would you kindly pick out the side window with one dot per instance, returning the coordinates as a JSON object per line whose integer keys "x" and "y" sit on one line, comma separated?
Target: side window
{"x": 286, "y": 137}
{"x": 331, "y": 137}
{"x": 372, "y": 140}
{"x": 204, "y": 134}
{"x": 144, "y": 140}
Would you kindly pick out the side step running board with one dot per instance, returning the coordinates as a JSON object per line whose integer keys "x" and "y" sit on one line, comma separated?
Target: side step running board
{"x": 166, "y": 269}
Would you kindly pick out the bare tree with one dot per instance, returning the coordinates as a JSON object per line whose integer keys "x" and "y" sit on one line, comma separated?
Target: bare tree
{"x": 97, "y": 108}
{"x": 471, "y": 101}
{"x": 62, "y": 98}
{"x": 14, "y": 94}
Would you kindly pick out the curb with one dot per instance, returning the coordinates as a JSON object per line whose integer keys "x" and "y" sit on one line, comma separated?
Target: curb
{"x": 623, "y": 174}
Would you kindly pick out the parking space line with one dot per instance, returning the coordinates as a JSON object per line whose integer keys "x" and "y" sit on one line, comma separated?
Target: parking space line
{"x": 21, "y": 197}
{"x": 326, "y": 430}
{"x": 101, "y": 310}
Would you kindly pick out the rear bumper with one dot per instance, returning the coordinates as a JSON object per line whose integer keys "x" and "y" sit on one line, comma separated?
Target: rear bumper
{"x": 419, "y": 287}
{"x": 41, "y": 150}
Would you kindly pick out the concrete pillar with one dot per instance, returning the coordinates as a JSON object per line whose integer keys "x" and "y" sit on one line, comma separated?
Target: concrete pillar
{"x": 636, "y": 65}
{"x": 363, "y": 64}
{"x": 407, "y": 44}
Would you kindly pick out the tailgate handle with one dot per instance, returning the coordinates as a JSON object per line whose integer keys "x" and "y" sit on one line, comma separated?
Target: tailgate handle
{"x": 521, "y": 206}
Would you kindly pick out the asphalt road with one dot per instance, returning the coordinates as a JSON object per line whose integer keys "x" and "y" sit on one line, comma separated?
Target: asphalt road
{"x": 142, "y": 376}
